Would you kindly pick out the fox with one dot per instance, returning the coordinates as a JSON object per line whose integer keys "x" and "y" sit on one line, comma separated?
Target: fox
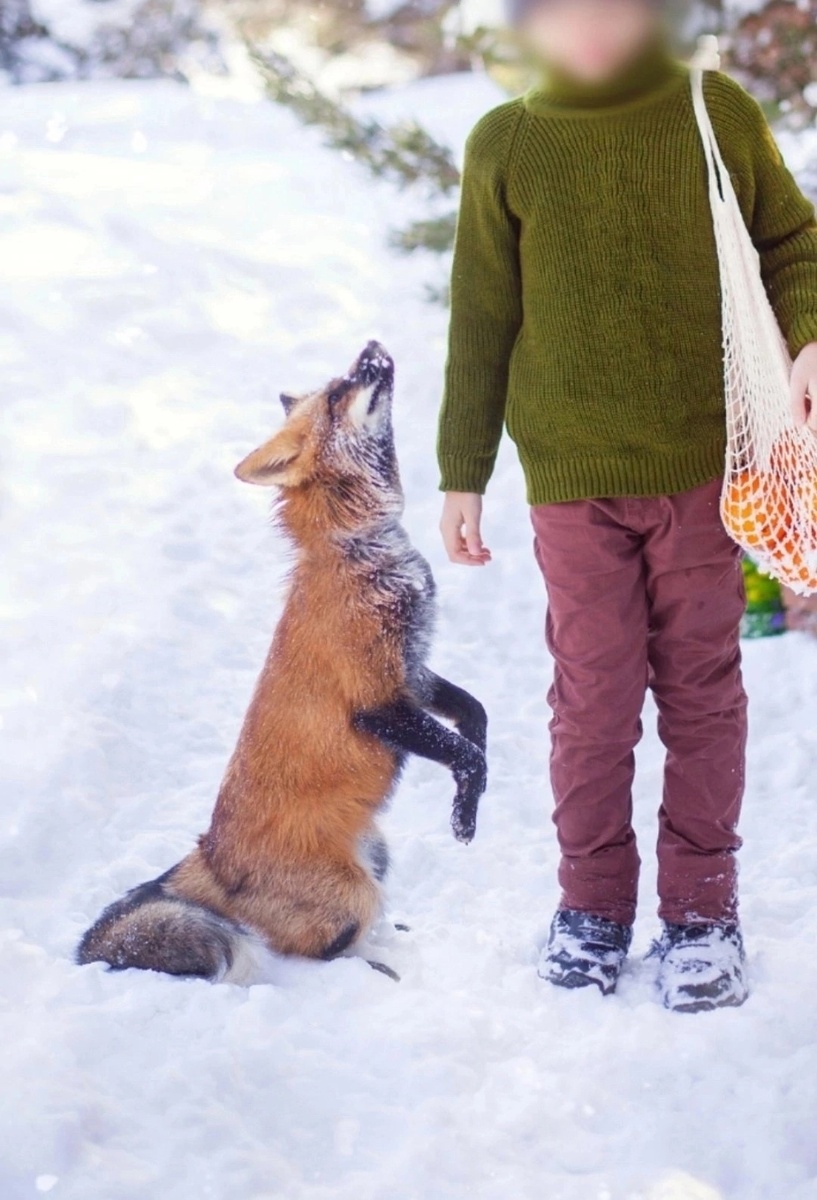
{"x": 294, "y": 860}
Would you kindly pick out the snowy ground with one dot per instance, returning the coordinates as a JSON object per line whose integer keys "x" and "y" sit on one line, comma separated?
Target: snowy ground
{"x": 167, "y": 263}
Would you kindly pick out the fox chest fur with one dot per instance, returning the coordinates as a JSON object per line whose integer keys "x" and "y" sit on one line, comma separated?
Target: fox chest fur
{"x": 393, "y": 582}
{"x": 354, "y": 635}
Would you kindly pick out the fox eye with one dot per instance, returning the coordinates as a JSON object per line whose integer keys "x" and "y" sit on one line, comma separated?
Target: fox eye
{"x": 335, "y": 396}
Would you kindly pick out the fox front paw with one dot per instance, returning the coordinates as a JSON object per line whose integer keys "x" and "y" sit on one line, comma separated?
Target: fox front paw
{"x": 472, "y": 779}
{"x": 463, "y": 823}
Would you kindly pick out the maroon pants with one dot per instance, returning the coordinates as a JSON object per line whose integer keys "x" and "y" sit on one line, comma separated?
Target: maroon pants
{"x": 645, "y": 592}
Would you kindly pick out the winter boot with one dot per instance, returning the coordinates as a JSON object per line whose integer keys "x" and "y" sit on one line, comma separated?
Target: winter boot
{"x": 585, "y": 950}
{"x": 702, "y": 967}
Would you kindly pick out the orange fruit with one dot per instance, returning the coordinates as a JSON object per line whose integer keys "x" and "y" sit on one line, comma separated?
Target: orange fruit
{"x": 788, "y": 524}
{"x": 803, "y": 574}
{"x": 754, "y": 510}
{"x": 809, "y": 493}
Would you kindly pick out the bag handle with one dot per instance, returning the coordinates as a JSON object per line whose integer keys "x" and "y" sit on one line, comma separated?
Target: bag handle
{"x": 707, "y": 58}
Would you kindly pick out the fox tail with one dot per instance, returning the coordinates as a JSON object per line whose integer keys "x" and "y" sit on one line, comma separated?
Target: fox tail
{"x": 154, "y": 929}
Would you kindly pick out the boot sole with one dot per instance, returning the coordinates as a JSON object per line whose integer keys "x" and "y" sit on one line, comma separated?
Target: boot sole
{"x": 706, "y": 1004}
{"x": 577, "y": 979}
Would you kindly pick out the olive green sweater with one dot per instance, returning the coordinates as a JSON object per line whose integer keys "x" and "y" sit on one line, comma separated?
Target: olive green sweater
{"x": 585, "y": 295}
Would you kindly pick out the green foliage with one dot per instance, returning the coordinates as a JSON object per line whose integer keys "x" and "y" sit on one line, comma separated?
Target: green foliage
{"x": 435, "y": 234}
{"x": 404, "y": 153}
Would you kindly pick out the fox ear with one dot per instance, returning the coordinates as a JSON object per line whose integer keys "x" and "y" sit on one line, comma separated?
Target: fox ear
{"x": 275, "y": 463}
{"x": 288, "y": 402}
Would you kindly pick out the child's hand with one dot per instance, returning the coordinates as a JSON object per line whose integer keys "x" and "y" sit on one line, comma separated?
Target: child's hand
{"x": 804, "y": 387}
{"x": 459, "y": 525}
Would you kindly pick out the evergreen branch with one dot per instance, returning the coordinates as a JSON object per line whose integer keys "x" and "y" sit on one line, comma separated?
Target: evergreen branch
{"x": 435, "y": 234}
{"x": 405, "y": 153}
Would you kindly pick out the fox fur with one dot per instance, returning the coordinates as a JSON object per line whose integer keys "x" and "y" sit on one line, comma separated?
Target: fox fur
{"x": 293, "y": 857}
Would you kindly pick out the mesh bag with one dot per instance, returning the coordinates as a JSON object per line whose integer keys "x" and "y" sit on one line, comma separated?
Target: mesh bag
{"x": 769, "y": 499}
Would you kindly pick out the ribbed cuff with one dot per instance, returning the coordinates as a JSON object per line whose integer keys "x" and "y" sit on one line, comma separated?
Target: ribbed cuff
{"x": 464, "y": 474}
{"x": 802, "y": 333}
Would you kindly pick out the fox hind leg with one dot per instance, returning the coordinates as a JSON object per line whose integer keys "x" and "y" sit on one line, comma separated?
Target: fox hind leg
{"x": 346, "y": 938}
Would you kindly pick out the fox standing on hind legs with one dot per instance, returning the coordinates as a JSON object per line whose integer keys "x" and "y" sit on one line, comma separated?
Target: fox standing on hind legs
{"x": 293, "y": 855}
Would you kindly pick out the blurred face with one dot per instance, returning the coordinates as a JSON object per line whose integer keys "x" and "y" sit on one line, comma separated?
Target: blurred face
{"x": 591, "y": 40}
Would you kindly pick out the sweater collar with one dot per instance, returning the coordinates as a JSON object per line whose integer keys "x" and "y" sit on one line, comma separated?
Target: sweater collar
{"x": 651, "y": 74}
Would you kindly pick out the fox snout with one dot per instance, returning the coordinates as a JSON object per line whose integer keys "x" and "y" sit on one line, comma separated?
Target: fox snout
{"x": 375, "y": 365}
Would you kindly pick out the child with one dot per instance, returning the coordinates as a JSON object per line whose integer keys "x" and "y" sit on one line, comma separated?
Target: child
{"x": 585, "y": 315}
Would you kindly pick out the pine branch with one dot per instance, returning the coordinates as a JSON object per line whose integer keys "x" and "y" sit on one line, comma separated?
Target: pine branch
{"x": 435, "y": 234}
{"x": 405, "y": 154}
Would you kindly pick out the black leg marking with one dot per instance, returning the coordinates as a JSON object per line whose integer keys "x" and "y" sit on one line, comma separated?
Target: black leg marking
{"x": 377, "y": 853}
{"x": 343, "y": 941}
{"x": 383, "y": 969}
{"x": 404, "y": 727}
{"x": 455, "y": 704}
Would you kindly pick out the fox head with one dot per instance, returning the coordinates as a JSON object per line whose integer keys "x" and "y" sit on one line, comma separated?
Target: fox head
{"x": 335, "y": 451}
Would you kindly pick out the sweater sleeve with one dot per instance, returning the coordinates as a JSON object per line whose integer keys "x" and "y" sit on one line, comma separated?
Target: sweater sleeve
{"x": 486, "y": 309}
{"x": 780, "y": 219}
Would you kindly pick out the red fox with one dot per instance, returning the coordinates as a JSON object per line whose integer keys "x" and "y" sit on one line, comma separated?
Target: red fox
{"x": 293, "y": 855}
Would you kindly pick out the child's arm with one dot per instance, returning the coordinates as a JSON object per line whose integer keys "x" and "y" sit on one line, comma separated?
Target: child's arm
{"x": 486, "y": 314}
{"x": 804, "y": 387}
{"x": 784, "y": 230}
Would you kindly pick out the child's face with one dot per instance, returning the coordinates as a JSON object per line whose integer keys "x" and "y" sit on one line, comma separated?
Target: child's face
{"x": 589, "y": 39}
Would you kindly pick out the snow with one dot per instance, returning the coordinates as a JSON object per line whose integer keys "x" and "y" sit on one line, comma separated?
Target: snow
{"x": 79, "y": 23}
{"x": 70, "y": 39}
{"x": 469, "y": 16}
{"x": 382, "y": 10}
{"x": 736, "y": 9}
{"x": 800, "y": 152}
{"x": 169, "y": 263}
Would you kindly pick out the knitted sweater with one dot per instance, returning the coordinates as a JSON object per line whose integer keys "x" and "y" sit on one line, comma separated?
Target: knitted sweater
{"x": 585, "y": 295}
